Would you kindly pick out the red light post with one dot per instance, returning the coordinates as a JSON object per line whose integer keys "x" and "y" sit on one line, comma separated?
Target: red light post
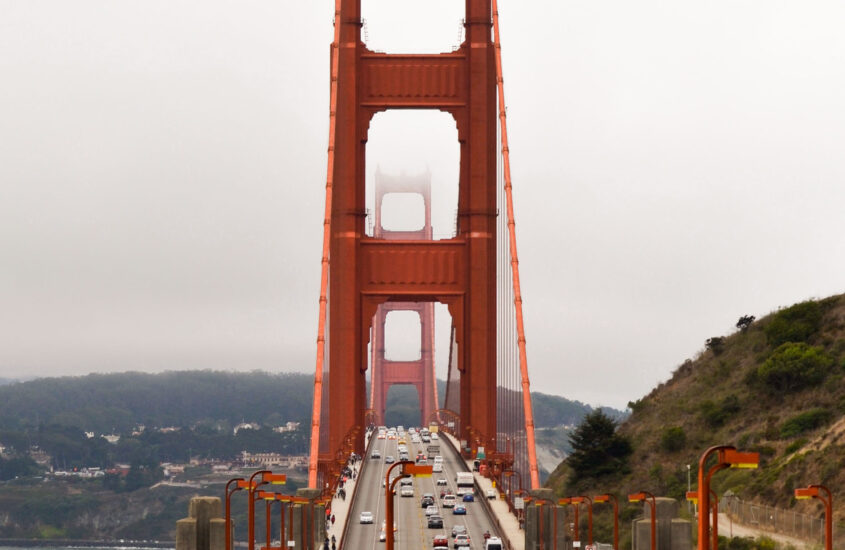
{"x": 814, "y": 491}
{"x": 238, "y": 486}
{"x": 408, "y": 469}
{"x": 727, "y": 457}
{"x": 639, "y": 497}
{"x": 611, "y": 498}
{"x": 565, "y": 502}
{"x": 579, "y": 500}
{"x": 714, "y": 517}
{"x": 266, "y": 477}
{"x": 540, "y": 502}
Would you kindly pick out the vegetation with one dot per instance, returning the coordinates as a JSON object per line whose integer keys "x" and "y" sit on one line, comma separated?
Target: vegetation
{"x": 796, "y": 323}
{"x": 794, "y": 366}
{"x": 805, "y": 421}
{"x": 597, "y": 450}
{"x": 776, "y": 386}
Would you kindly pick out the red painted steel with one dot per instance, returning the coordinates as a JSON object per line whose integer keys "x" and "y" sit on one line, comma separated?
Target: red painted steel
{"x": 520, "y": 325}
{"x": 364, "y": 272}
{"x": 420, "y": 372}
{"x": 324, "y": 277}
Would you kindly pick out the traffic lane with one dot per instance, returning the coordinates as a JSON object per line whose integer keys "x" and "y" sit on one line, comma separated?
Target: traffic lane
{"x": 413, "y": 531}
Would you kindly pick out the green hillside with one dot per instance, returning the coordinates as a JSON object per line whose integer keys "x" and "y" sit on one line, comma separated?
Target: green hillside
{"x": 776, "y": 386}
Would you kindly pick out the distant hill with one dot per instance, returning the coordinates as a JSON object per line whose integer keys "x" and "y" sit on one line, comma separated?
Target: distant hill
{"x": 116, "y": 403}
{"x": 776, "y": 386}
{"x": 7, "y": 381}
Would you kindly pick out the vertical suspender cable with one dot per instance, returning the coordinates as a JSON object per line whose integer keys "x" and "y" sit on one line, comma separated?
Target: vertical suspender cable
{"x": 520, "y": 327}
{"x": 324, "y": 278}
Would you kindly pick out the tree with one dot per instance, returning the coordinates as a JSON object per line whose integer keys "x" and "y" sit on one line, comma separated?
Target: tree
{"x": 745, "y": 322}
{"x": 597, "y": 450}
{"x": 715, "y": 344}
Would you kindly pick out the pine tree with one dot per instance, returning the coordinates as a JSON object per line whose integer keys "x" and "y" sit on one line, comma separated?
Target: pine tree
{"x": 597, "y": 450}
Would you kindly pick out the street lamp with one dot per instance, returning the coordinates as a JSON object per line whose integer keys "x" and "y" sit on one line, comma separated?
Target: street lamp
{"x": 814, "y": 491}
{"x": 579, "y": 500}
{"x": 692, "y": 496}
{"x": 639, "y": 497}
{"x": 611, "y": 498}
{"x": 540, "y": 502}
{"x": 565, "y": 502}
{"x": 267, "y": 477}
{"x": 408, "y": 469}
{"x": 727, "y": 457}
{"x": 238, "y": 486}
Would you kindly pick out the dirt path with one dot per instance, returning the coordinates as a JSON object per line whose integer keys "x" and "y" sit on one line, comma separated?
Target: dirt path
{"x": 737, "y": 530}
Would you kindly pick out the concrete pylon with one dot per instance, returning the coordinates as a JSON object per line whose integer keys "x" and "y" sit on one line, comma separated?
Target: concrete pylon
{"x": 204, "y": 528}
{"x": 673, "y": 533}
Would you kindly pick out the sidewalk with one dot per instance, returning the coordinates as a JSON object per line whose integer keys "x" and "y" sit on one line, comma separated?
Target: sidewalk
{"x": 340, "y": 507}
{"x": 507, "y": 521}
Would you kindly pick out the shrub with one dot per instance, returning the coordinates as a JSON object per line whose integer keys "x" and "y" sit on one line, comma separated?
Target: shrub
{"x": 673, "y": 439}
{"x": 794, "y": 446}
{"x": 794, "y": 324}
{"x": 597, "y": 450}
{"x": 805, "y": 422}
{"x": 715, "y": 414}
{"x": 794, "y": 366}
{"x": 745, "y": 322}
{"x": 716, "y": 344}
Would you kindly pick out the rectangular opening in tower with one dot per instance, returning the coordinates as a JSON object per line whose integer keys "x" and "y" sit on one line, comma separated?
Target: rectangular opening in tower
{"x": 411, "y": 26}
{"x": 412, "y": 152}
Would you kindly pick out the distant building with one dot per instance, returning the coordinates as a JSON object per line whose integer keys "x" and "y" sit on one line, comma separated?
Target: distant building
{"x": 273, "y": 459}
{"x": 169, "y": 429}
{"x": 111, "y": 438}
{"x": 289, "y": 427}
{"x": 40, "y": 457}
{"x": 246, "y": 426}
{"x": 2, "y": 449}
{"x": 89, "y": 435}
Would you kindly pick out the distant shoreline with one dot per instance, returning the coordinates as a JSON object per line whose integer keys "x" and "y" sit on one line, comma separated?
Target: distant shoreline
{"x": 30, "y": 543}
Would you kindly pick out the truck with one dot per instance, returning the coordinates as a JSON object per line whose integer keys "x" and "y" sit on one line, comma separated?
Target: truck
{"x": 465, "y": 482}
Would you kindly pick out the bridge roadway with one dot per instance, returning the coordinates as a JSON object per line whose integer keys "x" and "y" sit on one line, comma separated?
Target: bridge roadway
{"x": 411, "y": 522}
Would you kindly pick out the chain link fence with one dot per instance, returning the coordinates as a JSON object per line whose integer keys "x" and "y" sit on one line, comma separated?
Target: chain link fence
{"x": 778, "y": 520}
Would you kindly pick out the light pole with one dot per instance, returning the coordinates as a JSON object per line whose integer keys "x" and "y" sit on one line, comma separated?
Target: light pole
{"x": 689, "y": 487}
{"x": 237, "y": 481}
{"x": 408, "y": 469}
{"x": 579, "y": 500}
{"x": 814, "y": 491}
{"x": 639, "y": 497}
{"x": 726, "y": 457}
{"x": 612, "y": 498}
{"x": 565, "y": 502}
{"x": 266, "y": 477}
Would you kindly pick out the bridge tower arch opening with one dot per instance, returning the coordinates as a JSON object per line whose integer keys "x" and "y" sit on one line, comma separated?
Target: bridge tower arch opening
{"x": 365, "y": 272}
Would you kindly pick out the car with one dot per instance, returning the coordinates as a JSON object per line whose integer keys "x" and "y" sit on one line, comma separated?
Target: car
{"x": 434, "y": 436}
{"x": 461, "y": 541}
{"x": 435, "y": 522}
{"x": 469, "y": 497}
{"x": 438, "y": 467}
{"x": 431, "y": 511}
{"x": 459, "y": 510}
{"x": 491, "y": 493}
{"x": 407, "y": 492}
{"x": 389, "y": 459}
{"x": 494, "y": 543}
{"x": 459, "y": 530}
{"x": 449, "y": 501}
{"x": 376, "y": 454}
{"x": 442, "y": 481}
{"x": 426, "y": 501}
{"x": 366, "y": 517}
{"x": 382, "y": 536}
{"x": 440, "y": 540}
{"x": 381, "y": 435}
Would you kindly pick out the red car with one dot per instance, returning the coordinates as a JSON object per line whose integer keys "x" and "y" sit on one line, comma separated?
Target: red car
{"x": 440, "y": 540}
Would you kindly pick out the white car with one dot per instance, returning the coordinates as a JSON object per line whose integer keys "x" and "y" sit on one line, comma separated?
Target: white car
{"x": 366, "y": 517}
{"x": 438, "y": 467}
{"x": 491, "y": 494}
{"x": 434, "y": 436}
{"x": 407, "y": 491}
{"x": 442, "y": 481}
{"x": 431, "y": 511}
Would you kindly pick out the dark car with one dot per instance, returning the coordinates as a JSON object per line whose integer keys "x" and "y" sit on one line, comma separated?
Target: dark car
{"x": 426, "y": 501}
{"x": 435, "y": 522}
{"x": 459, "y": 510}
{"x": 469, "y": 497}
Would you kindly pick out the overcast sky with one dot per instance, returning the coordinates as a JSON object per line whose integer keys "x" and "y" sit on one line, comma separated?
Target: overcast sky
{"x": 162, "y": 165}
